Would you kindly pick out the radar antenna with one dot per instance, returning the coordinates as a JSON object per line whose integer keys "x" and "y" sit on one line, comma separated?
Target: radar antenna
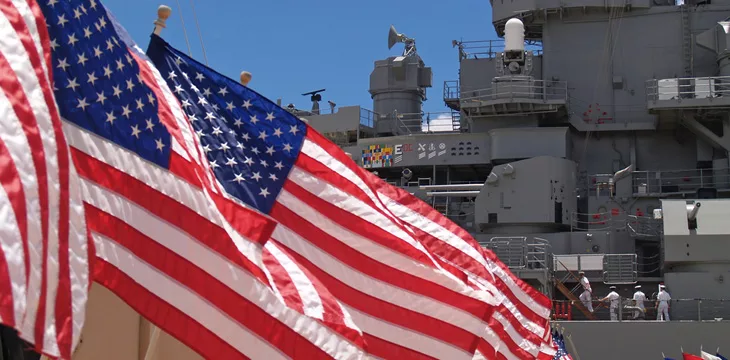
{"x": 316, "y": 98}
{"x": 395, "y": 37}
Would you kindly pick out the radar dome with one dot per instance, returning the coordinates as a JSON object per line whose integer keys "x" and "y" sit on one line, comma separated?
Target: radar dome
{"x": 514, "y": 35}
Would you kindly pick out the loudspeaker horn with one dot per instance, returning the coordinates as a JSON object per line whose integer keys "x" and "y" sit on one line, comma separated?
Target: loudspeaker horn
{"x": 393, "y": 37}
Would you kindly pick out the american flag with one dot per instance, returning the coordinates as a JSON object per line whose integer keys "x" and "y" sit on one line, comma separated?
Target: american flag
{"x": 168, "y": 242}
{"x": 562, "y": 353}
{"x": 44, "y": 246}
{"x": 414, "y": 282}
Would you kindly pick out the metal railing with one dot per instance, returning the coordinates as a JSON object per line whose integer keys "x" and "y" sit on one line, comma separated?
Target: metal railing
{"x": 520, "y": 252}
{"x": 367, "y": 117}
{"x": 427, "y": 122}
{"x": 679, "y": 310}
{"x": 657, "y": 183}
{"x": 545, "y": 90}
{"x": 620, "y": 269}
{"x": 487, "y": 49}
{"x": 451, "y": 90}
{"x": 677, "y": 89}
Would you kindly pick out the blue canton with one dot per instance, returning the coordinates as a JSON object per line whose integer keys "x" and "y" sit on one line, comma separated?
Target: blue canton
{"x": 558, "y": 339}
{"x": 250, "y": 142}
{"x": 97, "y": 82}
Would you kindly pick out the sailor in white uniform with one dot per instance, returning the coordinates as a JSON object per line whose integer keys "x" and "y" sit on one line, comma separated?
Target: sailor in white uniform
{"x": 639, "y": 299}
{"x": 662, "y": 304}
{"x": 586, "y": 297}
{"x": 613, "y": 297}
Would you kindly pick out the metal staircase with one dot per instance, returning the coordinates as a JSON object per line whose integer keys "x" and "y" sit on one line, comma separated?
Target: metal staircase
{"x": 687, "y": 58}
{"x": 569, "y": 294}
{"x": 455, "y": 120}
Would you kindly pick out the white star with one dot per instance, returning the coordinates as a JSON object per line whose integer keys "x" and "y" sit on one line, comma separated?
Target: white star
{"x": 224, "y": 147}
{"x": 171, "y": 75}
{"x": 185, "y": 103}
{"x": 248, "y": 161}
{"x": 109, "y": 45}
{"x": 270, "y": 116}
{"x": 255, "y": 150}
{"x": 287, "y": 147}
{"x": 264, "y": 192}
{"x": 92, "y": 78}
{"x": 200, "y": 134}
{"x": 63, "y": 64}
{"x": 192, "y": 117}
{"x": 262, "y": 135}
{"x": 150, "y": 125}
{"x": 110, "y": 117}
{"x": 178, "y": 61}
{"x": 107, "y": 71}
{"x": 254, "y": 120}
{"x": 215, "y": 106}
{"x": 52, "y": 2}
{"x": 185, "y": 75}
{"x": 151, "y": 98}
{"x": 72, "y": 84}
{"x": 207, "y": 149}
{"x": 129, "y": 59}
{"x": 120, "y": 65}
{"x": 246, "y": 137}
{"x": 159, "y": 144}
{"x": 231, "y": 162}
{"x": 293, "y": 129}
{"x": 54, "y": 44}
{"x": 130, "y": 85}
{"x": 135, "y": 131}
{"x": 217, "y": 130}
{"x": 230, "y": 106}
{"x": 140, "y": 104}
{"x": 238, "y": 123}
{"x": 246, "y": 104}
{"x": 273, "y": 177}
{"x": 87, "y": 32}
{"x": 240, "y": 145}
{"x": 93, "y": 4}
{"x": 100, "y": 97}
{"x": 223, "y": 91}
{"x": 209, "y": 116}
{"x": 256, "y": 176}
{"x": 82, "y": 104}
{"x": 202, "y": 101}
{"x": 77, "y": 13}
{"x": 62, "y": 20}
{"x": 102, "y": 22}
{"x": 126, "y": 111}
{"x": 270, "y": 150}
{"x": 194, "y": 88}
{"x": 206, "y": 92}
{"x": 239, "y": 178}
{"x": 97, "y": 52}
{"x": 82, "y": 59}
{"x": 278, "y": 165}
{"x": 117, "y": 91}
{"x": 264, "y": 163}
{"x": 199, "y": 77}
{"x": 277, "y": 132}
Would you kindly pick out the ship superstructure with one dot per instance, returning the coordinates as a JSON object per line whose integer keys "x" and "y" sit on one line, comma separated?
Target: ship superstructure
{"x": 594, "y": 137}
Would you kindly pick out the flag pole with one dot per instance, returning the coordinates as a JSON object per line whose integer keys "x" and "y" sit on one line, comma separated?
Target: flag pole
{"x": 663, "y": 356}
{"x": 572, "y": 347}
{"x": 163, "y": 13}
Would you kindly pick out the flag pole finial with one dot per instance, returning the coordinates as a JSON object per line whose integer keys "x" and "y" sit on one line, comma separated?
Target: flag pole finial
{"x": 163, "y": 12}
{"x": 245, "y": 77}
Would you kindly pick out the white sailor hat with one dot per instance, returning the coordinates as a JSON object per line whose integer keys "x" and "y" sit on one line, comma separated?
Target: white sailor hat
{"x": 637, "y": 287}
{"x": 612, "y": 287}
{"x": 661, "y": 286}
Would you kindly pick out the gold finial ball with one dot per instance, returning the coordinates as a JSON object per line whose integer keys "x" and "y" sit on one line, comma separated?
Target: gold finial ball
{"x": 245, "y": 77}
{"x": 163, "y": 12}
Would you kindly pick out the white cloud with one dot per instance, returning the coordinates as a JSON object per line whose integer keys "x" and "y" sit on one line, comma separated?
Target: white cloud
{"x": 442, "y": 122}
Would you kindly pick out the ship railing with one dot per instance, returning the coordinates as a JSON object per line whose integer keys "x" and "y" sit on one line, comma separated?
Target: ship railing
{"x": 545, "y": 90}
{"x": 442, "y": 121}
{"x": 644, "y": 226}
{"x": 521, "y": 252}
{"x": 679, "y": 309}
{"x": 639, "y": 225}
{"x": 487, "y": 49}
{"x": 452, "y": 90}
{"x": 678, "y": 89}
{"x": 368, "y": 117}
{"x": 670, "y": 182}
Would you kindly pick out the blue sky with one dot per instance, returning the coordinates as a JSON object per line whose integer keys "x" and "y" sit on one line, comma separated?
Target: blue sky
{"x": 294, "y": 46}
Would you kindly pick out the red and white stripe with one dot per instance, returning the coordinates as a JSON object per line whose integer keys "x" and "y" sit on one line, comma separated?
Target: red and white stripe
{"x": 521, "y": 320}
{"x": 192, "y": 261}
{"x": 407, "y": 305}
{"x": 44, "y": 248}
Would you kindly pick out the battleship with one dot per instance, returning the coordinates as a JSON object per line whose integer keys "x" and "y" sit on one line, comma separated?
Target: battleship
{"x": 594, "y": 137}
